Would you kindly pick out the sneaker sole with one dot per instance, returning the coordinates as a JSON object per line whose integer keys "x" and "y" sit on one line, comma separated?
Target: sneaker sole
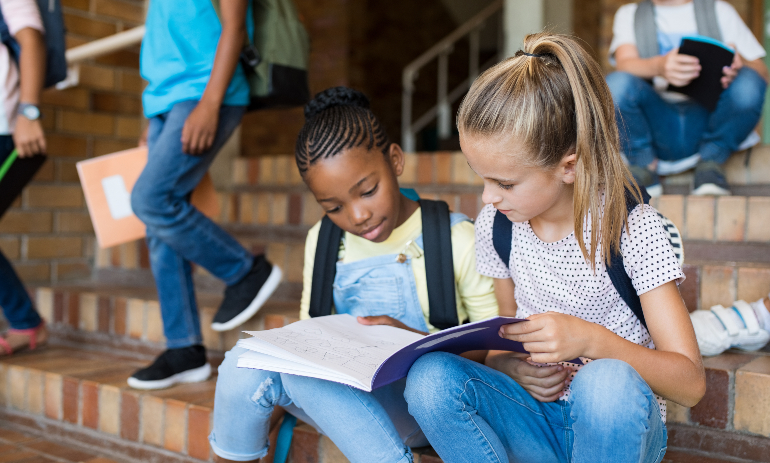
{"x": 263, "y": 295}
{"x": 196, "y": 375}
{"x": 655, "y": 190}
{"x": 710, "y": 189}
{"x": 677, "y": 167}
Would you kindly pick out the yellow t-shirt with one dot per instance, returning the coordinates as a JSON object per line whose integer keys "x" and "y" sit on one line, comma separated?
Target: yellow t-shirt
{"x": 474, "y": 292}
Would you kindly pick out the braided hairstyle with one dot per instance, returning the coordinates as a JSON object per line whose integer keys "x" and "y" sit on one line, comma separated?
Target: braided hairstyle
{"x": 337, "y": 119}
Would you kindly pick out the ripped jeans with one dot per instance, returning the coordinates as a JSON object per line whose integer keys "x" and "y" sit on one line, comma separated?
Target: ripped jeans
{"x": 369, "y": 427}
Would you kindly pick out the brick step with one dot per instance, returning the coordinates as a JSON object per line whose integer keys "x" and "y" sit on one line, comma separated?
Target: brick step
{"x": 747, "y": 167}
{"x": 80, "y": 396}
{"x": 124, "y": 319}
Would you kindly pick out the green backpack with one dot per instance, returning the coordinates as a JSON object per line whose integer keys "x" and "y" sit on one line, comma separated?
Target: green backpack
{"x": 276, "y": 57}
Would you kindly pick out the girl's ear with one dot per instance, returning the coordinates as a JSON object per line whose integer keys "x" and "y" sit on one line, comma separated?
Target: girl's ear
{"x": 568, "y": 168}
{"x": 397, "y": 158}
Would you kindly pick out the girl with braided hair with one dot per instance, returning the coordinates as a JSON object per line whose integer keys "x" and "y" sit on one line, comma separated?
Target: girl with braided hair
{"x": 352, "y": 169}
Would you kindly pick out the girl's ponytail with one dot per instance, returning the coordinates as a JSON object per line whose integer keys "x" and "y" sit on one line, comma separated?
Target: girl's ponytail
{"x": 552, "y": 96}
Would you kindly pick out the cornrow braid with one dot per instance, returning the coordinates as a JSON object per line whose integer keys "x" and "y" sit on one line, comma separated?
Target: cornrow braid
{"x": 337, "y": 119}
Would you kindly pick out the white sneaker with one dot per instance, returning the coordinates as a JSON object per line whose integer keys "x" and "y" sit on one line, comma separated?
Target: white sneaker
{"x": 719, "y": 329}
{"x": 678, "y": 166}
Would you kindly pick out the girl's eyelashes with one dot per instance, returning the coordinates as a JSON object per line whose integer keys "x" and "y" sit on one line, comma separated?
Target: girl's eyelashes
{"x": 503, "y": 186}
{"x": 333, "y": 210}
{"x": 370, "y": 192}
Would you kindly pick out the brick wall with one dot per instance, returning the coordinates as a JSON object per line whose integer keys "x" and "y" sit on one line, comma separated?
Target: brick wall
{"x": 593, "y": 22}
{"x": 47, "y": 233}
{"x": 363, "y": 44}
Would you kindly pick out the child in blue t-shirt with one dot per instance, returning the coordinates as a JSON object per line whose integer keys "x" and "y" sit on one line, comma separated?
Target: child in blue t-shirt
{"x": 194, "y": 100}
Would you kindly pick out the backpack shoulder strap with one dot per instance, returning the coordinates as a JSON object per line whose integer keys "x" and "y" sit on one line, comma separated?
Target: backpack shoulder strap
{"x": 706, "y": 19}
{"x": 645, "y": 29}
{"x": 502, "y": 235}
{"x": 439, "y": 263}
{"x": 7, "y": 39}
{"x": 325, "y": 268}
{"x": 617, "y": 272}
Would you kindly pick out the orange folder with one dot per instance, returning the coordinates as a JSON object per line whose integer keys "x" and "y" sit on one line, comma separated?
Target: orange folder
{"x": 107, "y": 183}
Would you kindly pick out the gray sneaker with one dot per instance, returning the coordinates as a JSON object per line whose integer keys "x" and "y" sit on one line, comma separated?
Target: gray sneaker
{"x": 648, "y": 179}
{"x": 710, "y": 180}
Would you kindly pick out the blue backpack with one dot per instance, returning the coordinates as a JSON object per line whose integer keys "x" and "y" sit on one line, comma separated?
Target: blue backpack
{"x": 53, "y": 22}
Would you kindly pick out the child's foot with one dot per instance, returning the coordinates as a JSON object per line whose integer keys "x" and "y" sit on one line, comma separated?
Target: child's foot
{"x": 174, "y": 366}
{"x": 721, "y": 328}
{"x": 19, "y": 340}
{"x": 244, "y": 299}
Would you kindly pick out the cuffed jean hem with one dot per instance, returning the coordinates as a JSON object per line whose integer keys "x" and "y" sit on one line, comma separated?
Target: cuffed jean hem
{"x": 233, "y": 456}
{"x": 185, "y": 342}
{"x": 715, "y": 153}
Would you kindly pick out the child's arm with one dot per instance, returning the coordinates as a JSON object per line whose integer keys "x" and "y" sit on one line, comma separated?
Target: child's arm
{"x": 677, "y": 69}
{"x": 28, "y": 135}
{"x": 673, "y": 370}
{"x": 201, "y": 125}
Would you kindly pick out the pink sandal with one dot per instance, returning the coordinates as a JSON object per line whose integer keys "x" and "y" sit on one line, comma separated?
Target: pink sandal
{"x": 29, "y": 332}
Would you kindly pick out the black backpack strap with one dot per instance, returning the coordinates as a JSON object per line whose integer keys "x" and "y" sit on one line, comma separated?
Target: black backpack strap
{"x": 617, "y": 272}
{"x": 325, "y": 268}
{"x": 439, "y": 263}
{"x": 502, "y": 235}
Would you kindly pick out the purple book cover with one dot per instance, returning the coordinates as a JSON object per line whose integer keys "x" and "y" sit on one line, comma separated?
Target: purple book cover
{"x": 481, "y": 335}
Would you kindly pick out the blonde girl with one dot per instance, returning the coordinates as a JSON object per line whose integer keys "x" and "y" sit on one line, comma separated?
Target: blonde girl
{"x": 539, "y": 128}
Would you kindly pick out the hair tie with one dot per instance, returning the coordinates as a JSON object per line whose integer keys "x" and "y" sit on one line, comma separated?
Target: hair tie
{"x": 534, "y": 55}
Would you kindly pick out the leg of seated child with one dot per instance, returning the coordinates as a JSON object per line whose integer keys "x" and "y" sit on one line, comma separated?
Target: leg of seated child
{"x": 243, "y": 404}
{"x": 614, "y": 415}
{"x": 367, "y": 427}
{"x": 471, "y": 413}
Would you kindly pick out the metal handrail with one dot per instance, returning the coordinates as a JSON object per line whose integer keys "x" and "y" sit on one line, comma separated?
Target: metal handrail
{"x": 95, "y": 49}
{"x": 441, "y": 50}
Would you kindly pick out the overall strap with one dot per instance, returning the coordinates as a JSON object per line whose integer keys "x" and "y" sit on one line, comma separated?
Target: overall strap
{"x": 325, "y": 268}
{"x": 706, "y": 19}
{"x": 645, "y": 30}
{"x": 617, "y": 272}
{"x": 439, "y": 263}
{"x": 502, "y": 236}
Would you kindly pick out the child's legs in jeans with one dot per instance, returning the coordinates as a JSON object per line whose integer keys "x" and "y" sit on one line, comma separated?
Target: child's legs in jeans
{"x": 735, "y": 116}
{"x": 177, "y": 233}
{"x": 651, "y": 128}
{"x": 355, "y": 420}
{"x": 471, "y": 413}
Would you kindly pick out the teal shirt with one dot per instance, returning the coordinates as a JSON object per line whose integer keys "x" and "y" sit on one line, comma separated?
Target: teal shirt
{"x": 178, "y": 55}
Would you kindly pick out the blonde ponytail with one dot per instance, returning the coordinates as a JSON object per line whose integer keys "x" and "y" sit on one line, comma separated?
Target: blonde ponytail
{"x": 553, "y": 98}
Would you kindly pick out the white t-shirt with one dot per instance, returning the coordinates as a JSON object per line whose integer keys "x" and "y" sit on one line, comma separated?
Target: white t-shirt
{"x": 554, "y": 277}
{"x": 18, "y": 14}
{"x": 675, "y": 22}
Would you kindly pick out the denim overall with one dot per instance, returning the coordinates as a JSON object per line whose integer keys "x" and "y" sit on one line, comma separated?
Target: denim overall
{"x": 366, "y": 426}
{"x": 383, "y": 285}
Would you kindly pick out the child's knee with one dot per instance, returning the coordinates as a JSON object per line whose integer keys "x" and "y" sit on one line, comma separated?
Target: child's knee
{"x": 622, "y": 86}
{"x": 747, "y": 91}
{"x": 241, "y": 387}
{"x": 609, "y": 388}
{"x": 430, "y": 379}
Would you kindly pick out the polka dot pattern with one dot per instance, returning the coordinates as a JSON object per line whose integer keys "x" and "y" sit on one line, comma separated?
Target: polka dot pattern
{"x": 554, "y": 277}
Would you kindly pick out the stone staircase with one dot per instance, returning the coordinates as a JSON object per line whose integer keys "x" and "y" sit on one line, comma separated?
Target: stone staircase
{"x": 107, "y": 326}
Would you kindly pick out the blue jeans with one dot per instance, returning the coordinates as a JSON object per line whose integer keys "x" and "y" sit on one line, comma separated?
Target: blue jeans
{"x": 651, "y": 127}
{"x": 368, "y": 427}
{"x": 472, "y": 413}
{"x": 177, "y": 233}
{"x": 14, "y": 300}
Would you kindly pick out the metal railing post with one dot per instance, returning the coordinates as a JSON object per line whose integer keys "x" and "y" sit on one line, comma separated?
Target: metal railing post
{"x": 407, "y": 134}
{"x": 444, "y": 109}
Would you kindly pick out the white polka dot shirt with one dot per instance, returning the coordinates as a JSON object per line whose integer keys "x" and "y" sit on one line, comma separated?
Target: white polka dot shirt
{"x": 554, "y": 277}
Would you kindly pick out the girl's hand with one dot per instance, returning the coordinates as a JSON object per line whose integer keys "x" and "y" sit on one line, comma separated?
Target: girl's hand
{"x": 543, "y": 383}
{"x": 553, "y": 337}
{"x": 730, "y": 72}
{"x": 386, "y": 320}
{"x": 200, "y": 128}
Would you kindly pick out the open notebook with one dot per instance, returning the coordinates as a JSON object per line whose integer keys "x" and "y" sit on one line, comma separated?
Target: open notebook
{"x": 338, "y": 348}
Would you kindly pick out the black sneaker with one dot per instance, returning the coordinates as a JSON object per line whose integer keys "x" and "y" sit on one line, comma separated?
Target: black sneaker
{"x": 648, "y": 179}
{"x": 182, "y": 365}
{"x": 244, "y": 299}
{"x": 710, "y": 180}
